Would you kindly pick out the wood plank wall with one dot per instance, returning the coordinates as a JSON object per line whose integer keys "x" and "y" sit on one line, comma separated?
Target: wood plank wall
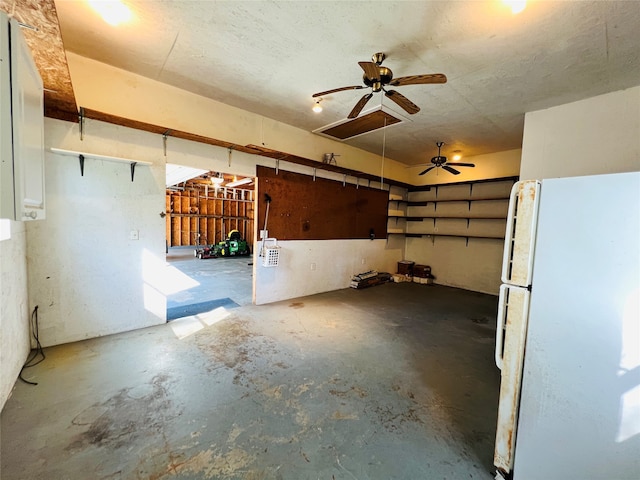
{"x": 204, "y": 217}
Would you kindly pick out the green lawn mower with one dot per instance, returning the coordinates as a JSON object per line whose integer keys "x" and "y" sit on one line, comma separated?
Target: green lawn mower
{"x": 234, "y": 245}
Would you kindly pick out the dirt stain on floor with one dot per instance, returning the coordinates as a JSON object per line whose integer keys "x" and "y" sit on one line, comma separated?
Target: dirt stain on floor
{"x": 123, "y": 418}
{"x": 232, "y": 344}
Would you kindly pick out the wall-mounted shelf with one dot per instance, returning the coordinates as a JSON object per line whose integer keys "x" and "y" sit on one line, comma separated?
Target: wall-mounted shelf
{"x": 471, "y": 183}
{"x": 444, "y": 217}
{"x": 467, "y": 236}
{"x": 424, "y": 203}
{"x": 482, "y": 220}
{"x": 82, "y": 156}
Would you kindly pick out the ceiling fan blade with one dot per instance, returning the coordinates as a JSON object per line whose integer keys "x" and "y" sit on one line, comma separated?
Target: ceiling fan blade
{"x": 452, "y": 170}
{"x": 359, "y": 106}
{"x": 428, "y": 169}
{"x": 322, "y": 94}
{"x": 457, "y": 164}
{"x": 371, "y": 70}
{"x": 402, "y": 101}
{"x": 419, "y": 79}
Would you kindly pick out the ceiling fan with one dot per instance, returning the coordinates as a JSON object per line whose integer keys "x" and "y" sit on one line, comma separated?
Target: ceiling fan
{"x": 378, "y": 77}
{"x": 440, "y": 161}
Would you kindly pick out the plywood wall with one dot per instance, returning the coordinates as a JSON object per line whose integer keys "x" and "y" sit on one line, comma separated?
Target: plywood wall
{"x": 306, "y": 208}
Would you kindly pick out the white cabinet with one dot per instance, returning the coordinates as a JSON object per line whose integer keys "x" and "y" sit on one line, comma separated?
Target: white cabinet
{"x": 21, "y": 128}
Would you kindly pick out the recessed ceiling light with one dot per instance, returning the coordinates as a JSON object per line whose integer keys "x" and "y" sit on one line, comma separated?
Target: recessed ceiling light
{"x": 114, "y": 12}
{"x": 516, "y": 5}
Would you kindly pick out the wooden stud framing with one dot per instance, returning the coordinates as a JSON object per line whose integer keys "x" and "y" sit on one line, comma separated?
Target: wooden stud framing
{"x": 197, "y": 217}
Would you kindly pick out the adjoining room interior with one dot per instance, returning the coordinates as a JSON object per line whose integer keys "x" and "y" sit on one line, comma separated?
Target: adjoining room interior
{"x": 209, "y": 216}
{"x": 272, "y": 240}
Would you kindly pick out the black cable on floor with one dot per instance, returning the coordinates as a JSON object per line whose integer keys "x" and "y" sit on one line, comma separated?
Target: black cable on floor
{"x": 37, "y": 355}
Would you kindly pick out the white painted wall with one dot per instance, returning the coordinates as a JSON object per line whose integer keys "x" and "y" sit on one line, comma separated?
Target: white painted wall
{"x": 598, "y": 135}
{"x": 14, "y": 309}
{"x": 475, "y": 266}
{"x": 308, "y": 267}
{"x": 85, "y": 273}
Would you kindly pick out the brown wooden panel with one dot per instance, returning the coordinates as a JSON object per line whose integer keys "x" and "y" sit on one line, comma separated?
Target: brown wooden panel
{"x": 362, "y": 124}
{"x": 304, "y": 209}
{"x": 177, "y": 221}
{"x": 193, "y": 217}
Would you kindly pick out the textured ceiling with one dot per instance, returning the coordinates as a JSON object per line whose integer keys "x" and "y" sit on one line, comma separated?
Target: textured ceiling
{"x": 269, "y": 57}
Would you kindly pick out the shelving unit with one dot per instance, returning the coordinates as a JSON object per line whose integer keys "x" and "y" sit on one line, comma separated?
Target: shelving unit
{"x": 447, "y": 205}
{"x": 397, "y": 215}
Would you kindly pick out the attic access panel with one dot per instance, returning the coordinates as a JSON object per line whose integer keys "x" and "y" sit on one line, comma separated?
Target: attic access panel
{"x": 373, "y": 120}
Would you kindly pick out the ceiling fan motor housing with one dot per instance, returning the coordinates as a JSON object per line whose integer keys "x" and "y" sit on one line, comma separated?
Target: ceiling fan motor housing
{"x": 439, "y": 160}
{"x": 384, "y": 77}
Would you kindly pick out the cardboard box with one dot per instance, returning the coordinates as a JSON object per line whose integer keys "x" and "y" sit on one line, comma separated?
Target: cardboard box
{"x": 399, "y": 278}
{"x": 423, "y": 281}
{"x": 423, "y": 271}
{"x": 405, "y": 267}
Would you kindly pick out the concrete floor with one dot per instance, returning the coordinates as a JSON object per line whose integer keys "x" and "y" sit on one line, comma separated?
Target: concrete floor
{"x": 391, "y": 382}
{"x": 217, "y": 278}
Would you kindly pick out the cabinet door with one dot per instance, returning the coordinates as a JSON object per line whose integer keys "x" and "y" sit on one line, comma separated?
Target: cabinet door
{"x": 7, "y": 204}
{"x": 28, "y": 130}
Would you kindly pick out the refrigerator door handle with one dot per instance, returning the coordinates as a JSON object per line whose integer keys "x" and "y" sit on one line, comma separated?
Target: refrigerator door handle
{"x": 508, "y": 235}
{"x": 520, "y": 233}
{"x": 502, "y": 316}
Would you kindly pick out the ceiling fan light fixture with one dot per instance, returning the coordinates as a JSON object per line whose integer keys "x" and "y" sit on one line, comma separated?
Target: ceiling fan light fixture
{"x": 317, "y": 107}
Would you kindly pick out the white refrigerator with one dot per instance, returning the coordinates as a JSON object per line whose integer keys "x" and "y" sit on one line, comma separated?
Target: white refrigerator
{"x": 568, "y": 331}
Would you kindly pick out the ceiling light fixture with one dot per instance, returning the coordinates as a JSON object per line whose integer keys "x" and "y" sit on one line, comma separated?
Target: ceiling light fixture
{"x": 317, "y": 107}
{"x": 242, "y": 181}
{"x": 516, "y": 6}
{"x": 217, "y": 180}
{"x": 114, "y": 12}
{"x": 456, "y": 155}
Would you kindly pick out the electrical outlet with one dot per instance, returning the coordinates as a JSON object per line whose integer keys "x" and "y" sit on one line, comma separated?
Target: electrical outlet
{"x": 313, "y": 267}
{"x": 363, "y": 261}
{"x": 264, "y": 234}
{"x": 134, "y": 235}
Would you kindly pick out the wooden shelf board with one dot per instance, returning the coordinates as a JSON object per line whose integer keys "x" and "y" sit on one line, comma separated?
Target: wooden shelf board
{"x": 416, "y": 235}
{"x": 418, "y": 219}
{"x": 424, "y": 203}
{"x": 95, "y": 156}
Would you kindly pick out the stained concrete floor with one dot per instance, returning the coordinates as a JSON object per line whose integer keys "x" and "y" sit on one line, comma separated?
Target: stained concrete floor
{"x": 391, "y": 382}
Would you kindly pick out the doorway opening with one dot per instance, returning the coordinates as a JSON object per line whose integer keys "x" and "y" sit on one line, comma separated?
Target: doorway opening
{"x": 209, "y": 238}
